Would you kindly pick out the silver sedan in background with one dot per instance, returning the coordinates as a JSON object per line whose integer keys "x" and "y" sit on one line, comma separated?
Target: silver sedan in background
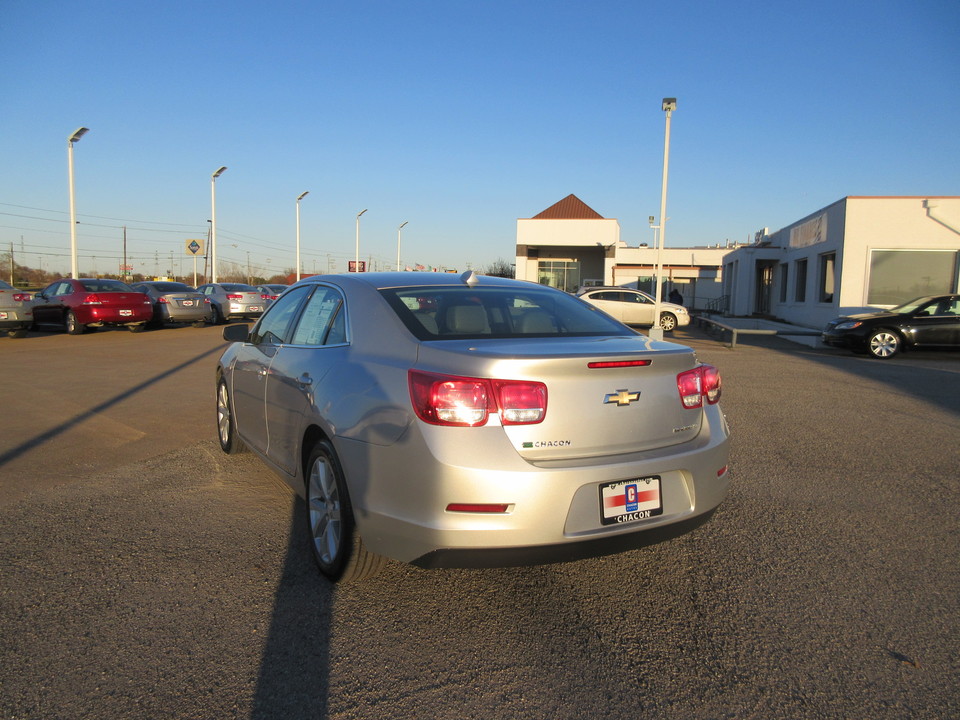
{"x": 634, "y": 307}
{"x": 176, "y": 302}
{"x": 233, "y": 301}
{"x": 16, "y": 310}
{"x": 471, "y": 422}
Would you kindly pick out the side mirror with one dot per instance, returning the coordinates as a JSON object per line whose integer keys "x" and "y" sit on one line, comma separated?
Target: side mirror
{"x": 236, "y": 333}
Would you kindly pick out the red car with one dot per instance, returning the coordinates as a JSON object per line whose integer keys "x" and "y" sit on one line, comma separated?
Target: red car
{"x": 76, "y": 304}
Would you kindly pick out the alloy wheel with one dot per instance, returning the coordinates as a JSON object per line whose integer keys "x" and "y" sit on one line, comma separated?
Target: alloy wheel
{"x": 323, "y": 504}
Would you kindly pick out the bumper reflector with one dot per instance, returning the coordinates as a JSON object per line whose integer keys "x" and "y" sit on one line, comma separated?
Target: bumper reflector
{"x": 478, "y": 507}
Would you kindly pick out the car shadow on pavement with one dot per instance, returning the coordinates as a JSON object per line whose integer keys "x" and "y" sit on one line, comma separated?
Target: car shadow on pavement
{"x": 294, "y": 674}
{"x": 54, "y": 432}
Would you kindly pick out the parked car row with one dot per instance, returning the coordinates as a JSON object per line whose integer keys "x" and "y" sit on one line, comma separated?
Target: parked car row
{"x": 76, "y": 305}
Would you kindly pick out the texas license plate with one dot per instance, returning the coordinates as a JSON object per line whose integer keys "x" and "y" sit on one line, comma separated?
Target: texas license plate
{"x": 3, "y": 316}
{"x": 255, "y": 308}
{"x": 627, "y": 501}
{"x": 187, "y": 303}
{"x": 126, "y": 313}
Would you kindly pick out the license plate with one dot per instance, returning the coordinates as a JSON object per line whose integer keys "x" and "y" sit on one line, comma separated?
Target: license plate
{"x": 627, "y": 501}
{"x": 187, "y": 303}
{"x": 255, "y": 308}
{"x": 3, "y": 316}
{"x": 126, "y": 313}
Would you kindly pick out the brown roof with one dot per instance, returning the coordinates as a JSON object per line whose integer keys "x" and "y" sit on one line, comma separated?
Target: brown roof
{"x": 570, "y": 208}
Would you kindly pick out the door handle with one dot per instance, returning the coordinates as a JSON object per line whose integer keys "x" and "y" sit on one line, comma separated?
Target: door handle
{"x": 304, "y": 380}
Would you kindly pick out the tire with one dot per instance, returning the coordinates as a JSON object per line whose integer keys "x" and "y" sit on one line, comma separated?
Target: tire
{"x": 18, "y": 333}
{"x": 668, "y": 322}
{"x": 137, "y": 328}
{"x": 73, "y": 326}
{"x": 884, "y": 344}
{"x": 199, "y": 324}
{"x": 218, "y": 318}
{"x": 230, "y": 442}
{"x": 334, "y": 541}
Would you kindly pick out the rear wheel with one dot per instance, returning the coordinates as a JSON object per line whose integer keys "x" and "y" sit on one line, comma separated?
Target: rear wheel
{"x": 199, "y": 324}
{"x": 884, "y": 344}
{"x": 230, "y": 443}
{"x": 73, "y": 326}
{"x": 218, "y": 318}
{"x": 18, "y": 333}
{"x": 668, "y": 322}
{"x": 137, "y": 328}
{"x": 334, "y": 540}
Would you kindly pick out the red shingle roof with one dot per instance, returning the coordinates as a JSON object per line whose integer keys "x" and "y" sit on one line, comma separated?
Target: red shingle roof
{"x": 570, "y": 208}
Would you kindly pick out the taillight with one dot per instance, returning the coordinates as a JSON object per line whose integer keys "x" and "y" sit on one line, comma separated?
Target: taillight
{"x": 91, "y": 299}
{"x": 234, "y": 297}
{"x": 695, "y": 385}
{"x": 163, "y": 300}
{"x": 468, "y": 402}
{"x": 21, "y": 297}
{"x": 268, "y": 297}
{"x": 207, "y": 300}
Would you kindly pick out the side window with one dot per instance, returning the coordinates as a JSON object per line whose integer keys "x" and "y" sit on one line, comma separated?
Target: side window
{"x": 322, "y": 321}
{"x": 638, "y": 298}
{"x": 63, "y": 288}
{"x": 276, "y": 324}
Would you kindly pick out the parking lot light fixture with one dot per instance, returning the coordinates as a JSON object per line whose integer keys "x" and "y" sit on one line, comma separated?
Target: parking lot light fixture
{"x": 398, "y": 244}
{"x": 78, "y": 133}
{"x": 300, "y": 197}
{"x": 356, "y": 258}
{"x": 213, "y": 221}
{"x": 656, "y": 332}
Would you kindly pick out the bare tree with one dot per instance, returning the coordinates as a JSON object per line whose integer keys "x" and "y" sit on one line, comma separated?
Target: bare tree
{"x": 499, "y": 268}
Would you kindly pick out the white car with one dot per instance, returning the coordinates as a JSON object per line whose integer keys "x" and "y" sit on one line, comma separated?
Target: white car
{"x": 634, "y": 307}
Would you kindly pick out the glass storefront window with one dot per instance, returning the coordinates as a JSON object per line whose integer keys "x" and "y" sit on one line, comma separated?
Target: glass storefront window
{"x": 561, "y": 274}
{"x": 897, "y": 276}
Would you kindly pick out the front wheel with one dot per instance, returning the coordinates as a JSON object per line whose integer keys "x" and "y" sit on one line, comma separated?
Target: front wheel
{"x": 884, "y": 344}
{"x": 668, "y": 322}
{"x": 230, "y": 443}
{"x": 334, "y": 540}
{"x": 74, "y": 327}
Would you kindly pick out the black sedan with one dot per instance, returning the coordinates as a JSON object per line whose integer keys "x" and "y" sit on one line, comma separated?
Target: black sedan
{"x": 931, "y": 321}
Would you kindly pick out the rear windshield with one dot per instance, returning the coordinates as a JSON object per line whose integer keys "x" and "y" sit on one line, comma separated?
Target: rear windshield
{"x": 171, "y": 287}
{"x": 105, "y": 286}
{"x": 237, "y": 287}
{"x": 446, "y": 313}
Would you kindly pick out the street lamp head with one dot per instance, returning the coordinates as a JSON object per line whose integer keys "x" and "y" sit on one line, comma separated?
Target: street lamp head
{"x": 219, "y": 172}
{"x": 669, "y": 104}
{"x": 401, "y": 227}
{"x": 361, "y": 212}
{"x": 302, "y": 195}
{"x": 80, "y": 132}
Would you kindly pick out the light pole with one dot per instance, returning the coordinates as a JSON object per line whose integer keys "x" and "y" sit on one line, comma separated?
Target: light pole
{"x": 356, "y": 259}
{"x": 300, "y": 197}
{"x": 668, "y": 106}
{"x": 398, "y": 244}
{"x": 80, "y": 132}
{"x": 213, "y": 221}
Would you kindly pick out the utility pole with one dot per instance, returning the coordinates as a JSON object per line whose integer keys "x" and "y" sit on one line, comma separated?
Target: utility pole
{"x": 11, "y": 262}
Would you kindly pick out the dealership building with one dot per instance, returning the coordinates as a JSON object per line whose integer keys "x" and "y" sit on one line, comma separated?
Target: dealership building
{"x": 856, "y": 253}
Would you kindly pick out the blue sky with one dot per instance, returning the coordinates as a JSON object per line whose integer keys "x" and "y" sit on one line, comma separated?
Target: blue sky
{"x": 458, "y": 117}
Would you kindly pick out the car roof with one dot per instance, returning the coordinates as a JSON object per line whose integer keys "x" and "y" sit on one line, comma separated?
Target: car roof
{"x": 382, "y": 280}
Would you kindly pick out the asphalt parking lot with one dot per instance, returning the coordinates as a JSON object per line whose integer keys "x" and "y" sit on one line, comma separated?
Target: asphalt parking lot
{"x": 146, "y": 574}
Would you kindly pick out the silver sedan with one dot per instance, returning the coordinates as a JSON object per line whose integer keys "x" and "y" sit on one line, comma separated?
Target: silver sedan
{"x": 233, "y": 301}
{"x": 471, "y": 422}
{"x": 16, "y": 310}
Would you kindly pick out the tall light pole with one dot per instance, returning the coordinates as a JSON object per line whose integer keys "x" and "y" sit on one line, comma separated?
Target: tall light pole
{"x": 398, "y": 244}
{"x": 213, "y": 221}
{"x": 668, "y": 106}
{"x": 356, "y": 266}
{"x": 300, "y": 197}
{"x": 80, "y": 132}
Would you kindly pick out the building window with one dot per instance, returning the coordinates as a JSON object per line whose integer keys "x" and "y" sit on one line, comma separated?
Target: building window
{"x": 800, "y": 281}
{"x": 561, "y": 274}
{"x": 828, "y": 277}
{"x": 784, "y": 275}
{"x": 900, "y": 275}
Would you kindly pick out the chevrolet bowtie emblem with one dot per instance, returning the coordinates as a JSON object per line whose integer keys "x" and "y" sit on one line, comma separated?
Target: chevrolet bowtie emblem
{"x": 621, "y": 397}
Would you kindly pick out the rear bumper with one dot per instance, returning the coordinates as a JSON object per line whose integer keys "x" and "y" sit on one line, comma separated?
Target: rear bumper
{"x": 563, "y": 552}
{"x": 113, "y": 316}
